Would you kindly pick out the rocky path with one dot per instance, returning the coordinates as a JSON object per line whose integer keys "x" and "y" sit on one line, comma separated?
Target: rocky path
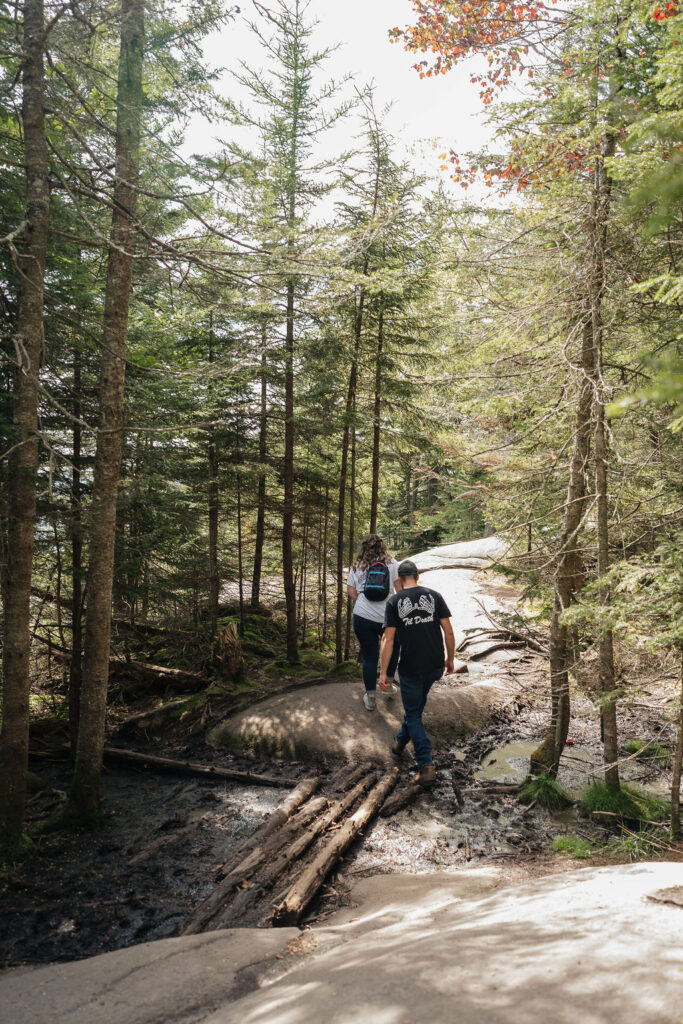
{"x": 329, "y": 719}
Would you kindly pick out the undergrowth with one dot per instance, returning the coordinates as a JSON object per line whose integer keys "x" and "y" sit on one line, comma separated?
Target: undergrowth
{"x": 574, "y": 847}
{"x": 545, "y": 791}
{"x": 650, "y": 750}
{"x": 627, "y": 803}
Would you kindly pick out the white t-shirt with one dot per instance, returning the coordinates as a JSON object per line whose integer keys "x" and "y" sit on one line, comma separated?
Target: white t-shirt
{"x": 373, "y": 610}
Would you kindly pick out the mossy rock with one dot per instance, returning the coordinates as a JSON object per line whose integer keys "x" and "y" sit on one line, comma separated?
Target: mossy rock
{"x": 345, "y": 670}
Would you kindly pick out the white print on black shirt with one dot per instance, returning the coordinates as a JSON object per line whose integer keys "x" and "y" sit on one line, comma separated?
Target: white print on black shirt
{"x": 426, "y": 606}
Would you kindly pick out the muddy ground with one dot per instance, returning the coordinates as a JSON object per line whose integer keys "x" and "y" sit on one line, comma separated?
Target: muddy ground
{"x": 80, "y": 895}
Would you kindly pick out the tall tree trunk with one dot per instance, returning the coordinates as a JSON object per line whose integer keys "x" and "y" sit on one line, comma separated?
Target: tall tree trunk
{"x": 85, "y": 789}
{"x": 599, "y": 214}
{"x": 376, "y": 433}
{"x": 75, "y": 666}
{"x": 240, "y": 559}
{"x": 547, "y": 756}
{"x": 352, "y": 530}
{"x": 288, "y": 503}
{"x": 261, "y": 496}
{"x": 23, "y": 466}
{"x": 326, "y": 522}
{"x": 212, "y": 455}
{"x": 678, "y": 763}
{"x": 341, "y": 505}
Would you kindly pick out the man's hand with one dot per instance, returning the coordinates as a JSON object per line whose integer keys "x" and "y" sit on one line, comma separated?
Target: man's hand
{"x": 383, "y": 684}
{"x": 449, "y": 667}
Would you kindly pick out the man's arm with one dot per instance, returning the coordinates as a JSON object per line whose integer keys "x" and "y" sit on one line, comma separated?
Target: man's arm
{"x": 385, "y": 656}
{"x": 450, "y": 645}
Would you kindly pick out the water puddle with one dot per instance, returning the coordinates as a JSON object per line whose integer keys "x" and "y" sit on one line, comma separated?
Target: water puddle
{"x": 509, "y": 763}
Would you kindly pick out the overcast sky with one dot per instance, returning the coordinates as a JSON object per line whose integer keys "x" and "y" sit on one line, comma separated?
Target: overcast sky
{"x": 445, "y": 110}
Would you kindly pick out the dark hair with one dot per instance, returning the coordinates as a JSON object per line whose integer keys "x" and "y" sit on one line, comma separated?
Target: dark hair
{"x": 372, "y": 549}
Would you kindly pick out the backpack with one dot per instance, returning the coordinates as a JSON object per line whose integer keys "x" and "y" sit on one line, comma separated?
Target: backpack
{"x": 377, "y": 582}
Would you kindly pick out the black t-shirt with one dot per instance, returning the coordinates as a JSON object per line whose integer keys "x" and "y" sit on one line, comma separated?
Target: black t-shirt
{"x": 416, "y": 612}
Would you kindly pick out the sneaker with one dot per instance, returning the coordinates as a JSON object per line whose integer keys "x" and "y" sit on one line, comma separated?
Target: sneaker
{"x": 397, "y": 748}
{"x": 392, "y": 691}
{"x": 369, "y": 700}
{"x": 426, "y": 776}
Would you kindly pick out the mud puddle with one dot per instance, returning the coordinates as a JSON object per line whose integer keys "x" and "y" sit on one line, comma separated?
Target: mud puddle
{"x": 85, "y": 893}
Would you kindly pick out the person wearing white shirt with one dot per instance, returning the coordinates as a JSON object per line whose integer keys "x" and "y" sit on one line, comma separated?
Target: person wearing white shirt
{"x": 372, "y": 579}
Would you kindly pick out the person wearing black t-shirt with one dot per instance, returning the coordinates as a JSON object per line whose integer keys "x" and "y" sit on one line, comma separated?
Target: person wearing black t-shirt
{"x": 420, "y": 620}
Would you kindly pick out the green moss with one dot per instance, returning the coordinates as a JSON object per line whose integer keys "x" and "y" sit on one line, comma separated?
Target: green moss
{"x": 574, "y": 846}
{"x": 542, "y": 757}
{"x": 345, "y": 670}
{"x": 545, "y": 791}
{"x": 626, "y": 803}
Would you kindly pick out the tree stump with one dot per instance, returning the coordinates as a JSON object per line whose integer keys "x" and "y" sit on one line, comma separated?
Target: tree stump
{"x": 226, "y": 652}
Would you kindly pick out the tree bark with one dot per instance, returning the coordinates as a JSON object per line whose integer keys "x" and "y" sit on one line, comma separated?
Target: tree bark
{"x": 352, "y": 530}
{"x": 23, "y": 460}
{"x": 599, "y": 214}
{"x": 85, "y": 791}
{"x": 326, "y": 521}
{"x": 75, "y": 667}
{"x": 547, "y": 756}
{"x": 288, "y": 502}
{"x": 341, "y": 505}
{"x": 261, "y": 496}
{"x": 212, "y": 458}
{"x": 376, "y": 432}
{"x": 677, "y": 766}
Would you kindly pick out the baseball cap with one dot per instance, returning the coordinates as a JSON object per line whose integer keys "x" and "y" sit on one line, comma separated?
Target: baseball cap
{"x": 407, "y": 568}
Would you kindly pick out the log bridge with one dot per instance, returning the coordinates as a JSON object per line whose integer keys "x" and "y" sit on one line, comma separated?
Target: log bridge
{"x": 273, "y": 877}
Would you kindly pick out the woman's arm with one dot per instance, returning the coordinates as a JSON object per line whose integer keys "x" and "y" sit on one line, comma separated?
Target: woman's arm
{"x": 352, "y": 592}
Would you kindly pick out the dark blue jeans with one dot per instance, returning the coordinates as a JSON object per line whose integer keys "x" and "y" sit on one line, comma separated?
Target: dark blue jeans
{"x": 369, "y": 634}
{"x": 414, "y": 696}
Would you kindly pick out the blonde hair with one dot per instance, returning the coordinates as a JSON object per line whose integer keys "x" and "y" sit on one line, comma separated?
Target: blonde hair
{"x": 372, "y": 549}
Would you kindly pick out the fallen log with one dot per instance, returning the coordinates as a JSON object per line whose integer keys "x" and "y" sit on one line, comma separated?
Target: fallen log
{"x": 400, "y": 799}
{"x": 506, "y": 645}
{"x": 284, "y": 810}
{"x": 203, "y": 916}
{"x": 288, "y": 855}
{"x": 290, "y": 910}
{"x": 245, "y": 866}
{"x": 156, "y": 676}
{"x": 516, "y": 634}
{"x": 167, "y": 764}
{"x": 281, "y": 815}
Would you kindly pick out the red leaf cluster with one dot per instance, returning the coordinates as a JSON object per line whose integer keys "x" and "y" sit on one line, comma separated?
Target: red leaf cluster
{"x": 670, "y": 11}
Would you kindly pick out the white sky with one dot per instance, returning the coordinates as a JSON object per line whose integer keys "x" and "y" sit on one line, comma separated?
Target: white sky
{"x": 428, "y": 115}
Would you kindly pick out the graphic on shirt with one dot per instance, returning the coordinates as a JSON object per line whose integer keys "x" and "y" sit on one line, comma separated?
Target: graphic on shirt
{"x": 411, "y": 612}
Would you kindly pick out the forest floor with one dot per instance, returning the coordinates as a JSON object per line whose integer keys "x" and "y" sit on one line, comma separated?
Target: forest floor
{"x": 80, "y": 894}
{"x": 162, "y": 837}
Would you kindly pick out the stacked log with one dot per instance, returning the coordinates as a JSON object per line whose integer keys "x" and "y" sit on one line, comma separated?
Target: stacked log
{"x": 322, "y": 826}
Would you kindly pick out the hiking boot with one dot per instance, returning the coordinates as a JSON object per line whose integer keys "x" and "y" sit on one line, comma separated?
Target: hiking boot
{"x": 369, "y": 700}
{"x": 426, "y": 776}
{"x": 397, "y": 748}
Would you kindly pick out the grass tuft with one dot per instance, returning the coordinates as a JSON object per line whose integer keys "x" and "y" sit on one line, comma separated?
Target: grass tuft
{"x": 544, "y": 790}
{"x": 627, "y": 803}
{"x": 637, "y": 846}
{"x": 574, "y": 847}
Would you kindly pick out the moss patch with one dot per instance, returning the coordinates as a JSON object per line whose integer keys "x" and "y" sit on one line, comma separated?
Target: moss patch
{"x": 574, "y": 846}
